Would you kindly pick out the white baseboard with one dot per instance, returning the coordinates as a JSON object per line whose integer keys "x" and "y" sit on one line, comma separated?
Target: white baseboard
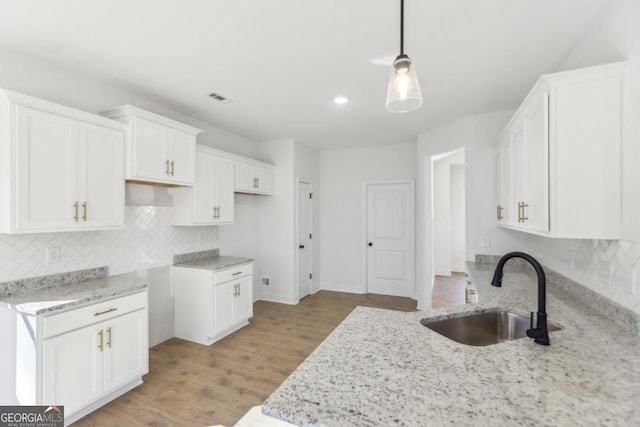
{"x": 339, "y": 287}
{"x": 278, "y": 299}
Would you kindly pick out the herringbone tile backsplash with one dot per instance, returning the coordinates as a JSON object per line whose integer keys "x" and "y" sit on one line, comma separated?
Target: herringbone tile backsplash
{"x": 609, "y": 267}
{"x": 148, "y": 240}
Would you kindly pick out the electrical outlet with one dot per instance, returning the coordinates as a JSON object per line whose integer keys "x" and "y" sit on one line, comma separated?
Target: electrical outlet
{"x": 52, "y": 255}
{"x": 485, "y": 242}
{"x": 265, "y": 281}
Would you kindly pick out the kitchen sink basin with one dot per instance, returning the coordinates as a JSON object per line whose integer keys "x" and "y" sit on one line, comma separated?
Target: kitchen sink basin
{"x": 481, "y": 329}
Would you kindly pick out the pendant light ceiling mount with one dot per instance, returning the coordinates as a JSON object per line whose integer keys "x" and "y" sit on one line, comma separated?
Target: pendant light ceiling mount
{"x": 403, "y": 91}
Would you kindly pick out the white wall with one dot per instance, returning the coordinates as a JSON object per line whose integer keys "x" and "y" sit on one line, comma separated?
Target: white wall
{"x": 441, "y": 217}
{"x": 276, "y": 223}
{"x": 446, "y": 190}
{"x": 458, "y": 250}
{"x": 342, "y": 175}
{"x": 611, "y": 268}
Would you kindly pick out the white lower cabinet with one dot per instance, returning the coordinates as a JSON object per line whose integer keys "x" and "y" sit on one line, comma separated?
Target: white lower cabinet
{"x": 72, "y": 372}
{"x": 84, "y": 357}
{"x": 233, "y": 304}
{"x": 210, "y": 305}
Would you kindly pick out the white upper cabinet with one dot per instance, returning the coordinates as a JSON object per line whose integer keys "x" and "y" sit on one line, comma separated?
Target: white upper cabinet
{"x": 254, "y": 177}
{"x": 62, "y": 169}
{"x": 159, "y": 150}
{"x": 559, "y": 166}
{"x": 210, "y": 200}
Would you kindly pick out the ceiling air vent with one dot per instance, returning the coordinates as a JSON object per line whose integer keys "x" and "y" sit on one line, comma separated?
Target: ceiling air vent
{"x": 219, "y": 97}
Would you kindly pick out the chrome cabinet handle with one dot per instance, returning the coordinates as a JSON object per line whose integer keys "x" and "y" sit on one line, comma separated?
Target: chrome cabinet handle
{"x": 75, "y": 207}
{"x": 109, "y": 336}
{"x": 173, "y": 169}
{"x": 236, "y": 273}
{"x": 84, "y": 211}
{"x": 499, "y": 212}
{"x": 166, "y": 167}
{"x": 101, "y": 345}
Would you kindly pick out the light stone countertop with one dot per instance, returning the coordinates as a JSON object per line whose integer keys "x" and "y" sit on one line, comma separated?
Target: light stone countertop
{"x": 383, "y": 368}
{"x": 215, "y": 263}
{"x": 62, "y": 297}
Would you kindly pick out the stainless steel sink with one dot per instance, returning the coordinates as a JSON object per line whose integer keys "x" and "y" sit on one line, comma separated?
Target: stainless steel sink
{"x": 481, "y": 329}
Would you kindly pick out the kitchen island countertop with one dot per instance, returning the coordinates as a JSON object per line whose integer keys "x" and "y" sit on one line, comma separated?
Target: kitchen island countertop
{"x": 382, "y": 367}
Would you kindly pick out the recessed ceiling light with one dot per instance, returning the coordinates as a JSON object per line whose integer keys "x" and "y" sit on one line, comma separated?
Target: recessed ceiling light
{"x": 340, "y": 100}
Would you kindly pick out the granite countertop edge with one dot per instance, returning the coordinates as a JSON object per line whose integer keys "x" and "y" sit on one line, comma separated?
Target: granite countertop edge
{"x": 215, "y": 263}
{"x": 74, "y": 295}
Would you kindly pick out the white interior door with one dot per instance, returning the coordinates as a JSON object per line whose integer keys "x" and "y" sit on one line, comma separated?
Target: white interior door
{"x": 390, "y": 218}
{"x": 304, "y": 239}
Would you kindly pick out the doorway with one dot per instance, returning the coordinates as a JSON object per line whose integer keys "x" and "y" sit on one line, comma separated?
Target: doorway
{"x": 390, "y": 238}
{"x": 448, "y": 212}
{"x": 304, "y": 238}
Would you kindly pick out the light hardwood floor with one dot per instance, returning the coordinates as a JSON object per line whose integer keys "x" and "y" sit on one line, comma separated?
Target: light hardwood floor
{"x": 192, "y": 385}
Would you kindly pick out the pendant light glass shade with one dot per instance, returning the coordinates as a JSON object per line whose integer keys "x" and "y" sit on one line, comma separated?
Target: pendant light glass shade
{"x": 403, "y": 92}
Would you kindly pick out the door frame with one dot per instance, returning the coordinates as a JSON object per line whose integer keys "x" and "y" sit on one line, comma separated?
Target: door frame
{"x": 297, "y": 238}
{"x": 365, "y": 270}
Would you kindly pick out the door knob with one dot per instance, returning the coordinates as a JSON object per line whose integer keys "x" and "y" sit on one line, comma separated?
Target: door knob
{"x": 370, "y": 244}
{"x": 301, "y": 246}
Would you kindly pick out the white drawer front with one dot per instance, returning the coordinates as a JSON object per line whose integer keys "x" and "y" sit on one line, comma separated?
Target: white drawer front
{"x": 232, "y": 273}
{"x": 94, "y": 313}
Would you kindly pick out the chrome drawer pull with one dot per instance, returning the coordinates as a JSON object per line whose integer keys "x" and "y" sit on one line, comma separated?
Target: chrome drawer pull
{"x": 106, "y": 311}
{"x": 235, "y": 274}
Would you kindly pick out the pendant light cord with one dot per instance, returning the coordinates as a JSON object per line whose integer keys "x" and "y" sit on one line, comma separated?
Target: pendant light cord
{"x": 401, "y": 27}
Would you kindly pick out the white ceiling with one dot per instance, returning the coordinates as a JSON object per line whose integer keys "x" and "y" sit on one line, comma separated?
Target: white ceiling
{"x": 281, "y": 62}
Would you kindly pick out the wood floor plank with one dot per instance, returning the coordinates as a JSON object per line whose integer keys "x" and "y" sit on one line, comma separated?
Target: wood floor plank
{"x": 194, "y": 385}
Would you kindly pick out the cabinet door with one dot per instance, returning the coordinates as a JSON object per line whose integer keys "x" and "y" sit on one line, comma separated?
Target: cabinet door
{"x": 506, "y": 183}
{"x": 519, "y": 173}
{"x": 264, "y": 179}
{"x": 224, "y": 190}
{"x": 151, "y": 157}
{"x": 72, "y": 368}
{"x": 47, "y": 171}
{"x": 101, "y": 177}
{"x": 244, "y": 299}
{"x": 536, "y": 119}
{"x": 223, "y": 296}
{"x": 204, "y": 189}
{"x": 182, "y": 157}
{"x": 245, "y": 178}
{"x": 125, "y": 349}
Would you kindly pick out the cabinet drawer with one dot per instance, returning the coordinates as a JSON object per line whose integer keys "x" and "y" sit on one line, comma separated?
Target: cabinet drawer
{"x": 232, "y": 273}
{"x": 94, "y": 313}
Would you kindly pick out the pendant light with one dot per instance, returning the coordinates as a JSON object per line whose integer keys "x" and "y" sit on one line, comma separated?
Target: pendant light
{"x": 403, "y": 92}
